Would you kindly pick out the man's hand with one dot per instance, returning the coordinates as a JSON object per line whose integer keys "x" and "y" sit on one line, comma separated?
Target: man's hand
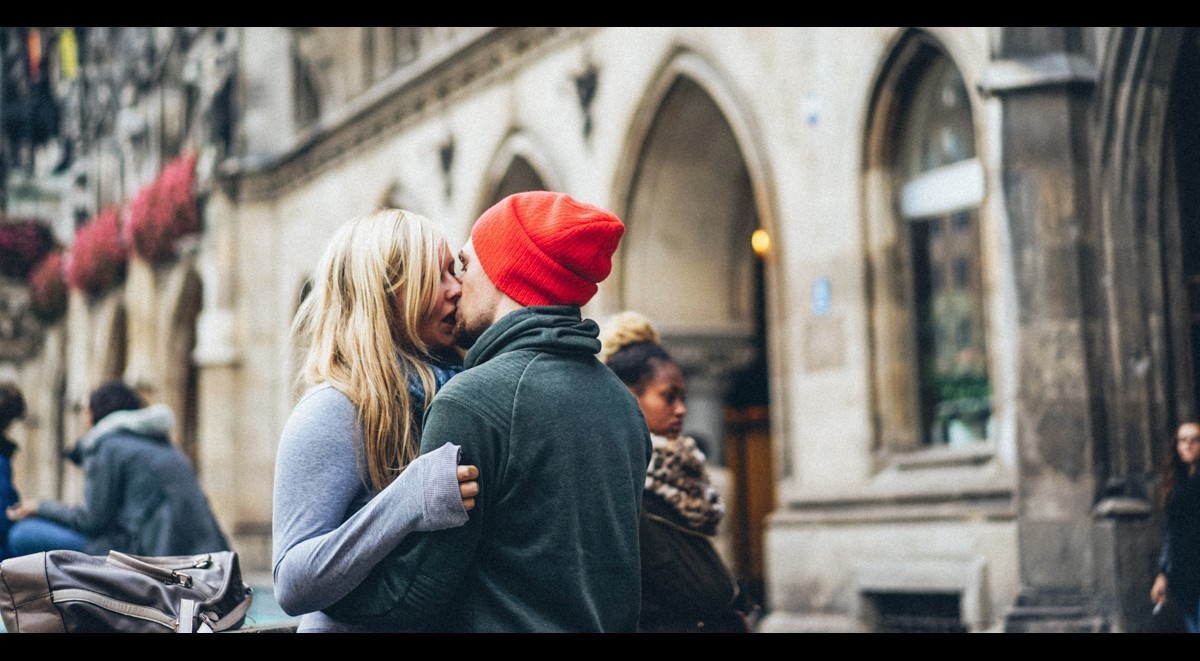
{"x": 468, "y": 485}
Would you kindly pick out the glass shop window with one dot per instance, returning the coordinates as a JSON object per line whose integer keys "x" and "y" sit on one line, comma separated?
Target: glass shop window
{"x": 941, "y": 189}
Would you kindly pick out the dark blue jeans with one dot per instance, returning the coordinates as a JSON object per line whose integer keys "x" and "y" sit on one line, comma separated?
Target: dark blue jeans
{"x": 34, "y": 535}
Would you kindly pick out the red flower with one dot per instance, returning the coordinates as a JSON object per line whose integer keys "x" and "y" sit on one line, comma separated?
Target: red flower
{"x": 23, "y": 243}
{"x": 98, "y": 257}
{"x": 164, "y": 210}
{"x": 143, "y": 231}
{"x": 178, "y": 189}
{"x": 48, "y": 288}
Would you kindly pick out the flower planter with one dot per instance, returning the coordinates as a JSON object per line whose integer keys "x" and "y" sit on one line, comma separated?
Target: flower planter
{"x": 164, "y": 211}
{"x": 98, "y": 257}
{"x": 23, "y": 243}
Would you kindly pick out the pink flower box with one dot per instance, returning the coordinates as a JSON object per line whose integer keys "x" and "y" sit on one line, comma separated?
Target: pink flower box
{"x": 98, "y": 258}
{"x": 23, "y": 243}
{"x": 164, "y": 211}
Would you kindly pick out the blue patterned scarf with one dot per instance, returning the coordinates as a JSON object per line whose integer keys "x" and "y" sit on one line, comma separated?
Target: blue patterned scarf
{"x": 444, "y": 365}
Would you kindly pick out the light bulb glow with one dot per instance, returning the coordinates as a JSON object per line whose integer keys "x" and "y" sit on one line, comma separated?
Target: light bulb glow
{"x": 760, "y": 241}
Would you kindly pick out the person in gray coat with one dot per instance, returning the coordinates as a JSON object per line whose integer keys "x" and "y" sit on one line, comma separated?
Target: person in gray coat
{"x": 141, "y": 494}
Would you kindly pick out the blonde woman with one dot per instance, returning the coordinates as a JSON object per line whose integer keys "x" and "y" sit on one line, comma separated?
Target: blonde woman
{"x": 349, "y": 486}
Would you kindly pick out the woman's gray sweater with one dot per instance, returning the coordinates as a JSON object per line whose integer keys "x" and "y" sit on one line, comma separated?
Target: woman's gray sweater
{"x": 329, "y": 527}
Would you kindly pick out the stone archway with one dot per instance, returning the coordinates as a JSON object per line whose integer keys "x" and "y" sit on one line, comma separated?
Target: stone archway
{"x": 519, "y": 164}
{"x": 687, "y": 263}
{"x": 1146, "y": 189}
{"x": 100, "y": 353}
{"x": 1145, "y": 151}
{"x": 180, "y": 376}
{"x": 686, "y": 259}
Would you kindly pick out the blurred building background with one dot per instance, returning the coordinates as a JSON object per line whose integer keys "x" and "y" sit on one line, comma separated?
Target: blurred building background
{"x": 936, "y": 290}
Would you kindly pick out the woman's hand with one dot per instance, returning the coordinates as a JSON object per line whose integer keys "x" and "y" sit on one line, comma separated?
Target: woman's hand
{"x": 468, "y": 485}
{"x": 22, "y": 510}
{"x": 1158, "y": 593}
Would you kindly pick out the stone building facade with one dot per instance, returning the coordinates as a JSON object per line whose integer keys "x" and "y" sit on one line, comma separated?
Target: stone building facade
{"x": 935, "y": 289}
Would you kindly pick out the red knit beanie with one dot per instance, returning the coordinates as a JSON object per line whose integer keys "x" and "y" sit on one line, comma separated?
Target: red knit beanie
{"x": 545, "y": 248}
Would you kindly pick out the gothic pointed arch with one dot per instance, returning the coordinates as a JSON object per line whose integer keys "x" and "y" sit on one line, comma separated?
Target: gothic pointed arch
{"x": 180, "y": 374}
{"x": 692, "y": 191}
{"x": 684, "y": 72}
{"x": 519, "y": 164}
{"x": 1145, "y": 184}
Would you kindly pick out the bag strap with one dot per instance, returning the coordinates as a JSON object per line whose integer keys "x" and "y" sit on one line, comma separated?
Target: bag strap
{"x": 231, "y": 618}
{"x": 682, "y": 529}
{"x": 187, "y": 615}
{"x": 185, "y": 623}
{"x": 114, "y": 605}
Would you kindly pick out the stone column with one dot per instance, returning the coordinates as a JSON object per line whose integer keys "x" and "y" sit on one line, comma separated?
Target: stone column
{"x": 1044, "y": 81}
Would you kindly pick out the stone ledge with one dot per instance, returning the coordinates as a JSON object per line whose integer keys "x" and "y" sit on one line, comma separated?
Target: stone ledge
{"x": 781, "y": 622}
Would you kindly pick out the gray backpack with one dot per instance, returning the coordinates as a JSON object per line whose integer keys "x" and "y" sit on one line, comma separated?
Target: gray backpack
{"x": 73, "y": 592}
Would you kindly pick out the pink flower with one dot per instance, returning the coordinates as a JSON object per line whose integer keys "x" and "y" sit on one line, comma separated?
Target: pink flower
{"x": 98, "y": 257}
{"x": 164, "y": 211}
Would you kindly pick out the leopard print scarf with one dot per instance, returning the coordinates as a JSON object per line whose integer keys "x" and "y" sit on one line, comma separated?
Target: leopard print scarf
{"x": 676, "y": 475}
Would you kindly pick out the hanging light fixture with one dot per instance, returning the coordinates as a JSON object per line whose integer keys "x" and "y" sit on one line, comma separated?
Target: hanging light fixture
{"x": 760, "y": 241}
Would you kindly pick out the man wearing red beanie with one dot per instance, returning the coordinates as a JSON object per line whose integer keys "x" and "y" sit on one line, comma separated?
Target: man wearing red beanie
{"x": 561, "y": 445}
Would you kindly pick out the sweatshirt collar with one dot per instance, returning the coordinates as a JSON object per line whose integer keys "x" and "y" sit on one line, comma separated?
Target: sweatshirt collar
{"x": 557, "y": 329}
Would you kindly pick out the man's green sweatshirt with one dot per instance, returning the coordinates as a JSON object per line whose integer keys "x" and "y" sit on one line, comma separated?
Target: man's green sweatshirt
{"x": 562, "y": 450}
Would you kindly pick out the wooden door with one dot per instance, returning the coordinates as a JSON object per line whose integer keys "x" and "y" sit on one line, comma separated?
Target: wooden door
{"x": 748, "y": 457}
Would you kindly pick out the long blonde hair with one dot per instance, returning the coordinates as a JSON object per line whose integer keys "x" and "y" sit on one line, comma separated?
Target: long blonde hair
{"x": 376, "y": 282}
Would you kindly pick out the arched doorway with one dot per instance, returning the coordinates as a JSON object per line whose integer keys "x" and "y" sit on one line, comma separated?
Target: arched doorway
{"x": 1147, "y": 201}
{"x": 687, "y": 263}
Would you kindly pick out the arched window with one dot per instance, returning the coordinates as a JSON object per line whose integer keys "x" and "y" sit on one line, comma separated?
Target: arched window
{"x": 929, "y": 185}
